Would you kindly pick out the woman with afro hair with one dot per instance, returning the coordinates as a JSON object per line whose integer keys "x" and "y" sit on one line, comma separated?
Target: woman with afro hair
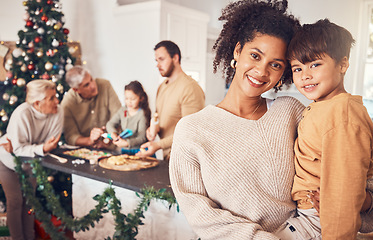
{"x": 231, "y": 166}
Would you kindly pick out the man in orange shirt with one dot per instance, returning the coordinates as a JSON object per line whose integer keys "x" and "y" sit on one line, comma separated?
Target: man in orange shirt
{"x": 178, "y": 95}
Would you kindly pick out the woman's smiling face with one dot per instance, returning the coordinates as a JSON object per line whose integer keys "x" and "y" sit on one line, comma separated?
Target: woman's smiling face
{"x": 260, "y": 64}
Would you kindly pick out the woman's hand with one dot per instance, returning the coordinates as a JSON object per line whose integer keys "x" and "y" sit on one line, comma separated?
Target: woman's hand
{"x": 7, "y": 146}
{"x": 51, "y": 144}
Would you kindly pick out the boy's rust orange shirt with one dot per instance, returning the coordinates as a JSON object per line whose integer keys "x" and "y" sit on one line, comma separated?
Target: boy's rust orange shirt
{"x": 334, "y": 152}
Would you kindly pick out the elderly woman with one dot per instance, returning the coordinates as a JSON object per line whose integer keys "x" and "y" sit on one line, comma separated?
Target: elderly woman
{"x": 34, "y": 129}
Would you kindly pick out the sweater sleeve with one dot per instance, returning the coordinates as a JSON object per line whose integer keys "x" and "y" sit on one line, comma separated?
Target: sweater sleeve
{"x": 345, "y": 161}
{"x": 19, "y": 132}
{"x": 205, "y": 216}
{"x": 111, "y": 125}
{"x": 71, "y": 130}
{"x": 140, "y": 137}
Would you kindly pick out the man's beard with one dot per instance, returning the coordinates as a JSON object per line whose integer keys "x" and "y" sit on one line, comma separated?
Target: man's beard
{"x": 169, "y": 71}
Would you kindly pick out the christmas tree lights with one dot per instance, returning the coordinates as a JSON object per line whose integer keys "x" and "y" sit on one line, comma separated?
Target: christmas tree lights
{"x": 41, "y": 53}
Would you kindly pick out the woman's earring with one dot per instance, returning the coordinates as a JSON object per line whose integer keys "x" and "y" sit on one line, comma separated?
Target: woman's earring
{"x": 233, "y": 63}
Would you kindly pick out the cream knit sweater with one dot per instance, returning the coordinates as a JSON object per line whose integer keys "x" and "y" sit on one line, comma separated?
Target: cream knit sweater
{"x": 231, "y": 176}
{"x": 28, "y": 130}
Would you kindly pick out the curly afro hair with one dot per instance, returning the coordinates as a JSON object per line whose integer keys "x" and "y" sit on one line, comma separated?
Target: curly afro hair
{"x": 244, "y": 19}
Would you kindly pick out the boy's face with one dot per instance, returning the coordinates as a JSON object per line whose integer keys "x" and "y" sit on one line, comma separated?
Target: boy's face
{"x": 320, "y": 79}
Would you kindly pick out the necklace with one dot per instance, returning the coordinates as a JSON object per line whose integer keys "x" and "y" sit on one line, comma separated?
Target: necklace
{"x": 257, "y": 107}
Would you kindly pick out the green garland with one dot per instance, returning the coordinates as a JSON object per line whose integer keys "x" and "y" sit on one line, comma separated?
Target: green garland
{"x": 126, "y": 226}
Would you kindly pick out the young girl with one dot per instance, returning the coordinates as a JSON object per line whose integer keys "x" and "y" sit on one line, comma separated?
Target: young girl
{"x": 135, "y": 116}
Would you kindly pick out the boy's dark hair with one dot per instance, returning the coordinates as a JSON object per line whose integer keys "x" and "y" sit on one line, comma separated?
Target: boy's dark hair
{"x": 244, "y": 19}
{"x": 136, "y": 87}
{"x": 171, "y": 48}
{"x": 312, "y": 41}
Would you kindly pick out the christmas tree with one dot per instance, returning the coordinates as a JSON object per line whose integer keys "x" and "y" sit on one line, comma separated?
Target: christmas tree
{"x": 41, "y": 53}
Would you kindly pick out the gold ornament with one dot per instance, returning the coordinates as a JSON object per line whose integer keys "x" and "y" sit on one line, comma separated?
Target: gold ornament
{"x": 54, "y": 78}
{"x": 39, "y": 53}
{"x": 24, "y": 3}
{"x": 48, "y": 66}
{"x": 24, "y": 68}
{"x": 2, "y": 113}
{"x": 68, "y": 66}
{"x": 4, "y": 118}
{"x": 60, "y": 88}
{"x": 13, "y": 99}
{"x": 57, "y": 26}
{"x": 6, "y": 96}
{"x": 50, "y": 178}
{"x": 21, "y": 82}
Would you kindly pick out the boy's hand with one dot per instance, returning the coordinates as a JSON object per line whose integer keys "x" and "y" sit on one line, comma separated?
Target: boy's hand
{"x": 315, "y": 199}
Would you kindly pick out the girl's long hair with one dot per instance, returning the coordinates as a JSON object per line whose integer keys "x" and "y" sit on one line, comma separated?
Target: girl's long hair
{"x": 137, "y": 88}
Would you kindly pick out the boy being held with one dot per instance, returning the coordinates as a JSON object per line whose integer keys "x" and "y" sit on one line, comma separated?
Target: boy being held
{"x": 334, "y": 145}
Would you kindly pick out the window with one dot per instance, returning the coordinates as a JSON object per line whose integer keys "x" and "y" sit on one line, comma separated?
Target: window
{"x": 367, "y": 55}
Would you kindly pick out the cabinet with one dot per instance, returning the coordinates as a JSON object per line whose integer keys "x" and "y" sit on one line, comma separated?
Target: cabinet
{"x": 140, "y": 26}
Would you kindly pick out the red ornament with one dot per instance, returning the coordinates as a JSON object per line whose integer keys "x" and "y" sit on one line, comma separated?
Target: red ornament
{"x": 29, "y": 23}
{"x": 61, "y": 43}
{"x": 66, "y": 31}
{"x": 45, "y": 76}
{"x": 49, "y": 2}
{"x": 44, "y": 18}
{"x": 14, "y": 81}
{"x": 31, "y": 67}
{"x": 37, "y": 39}
{"x": 50, "y": 53}
{"x": 30, "y": 50}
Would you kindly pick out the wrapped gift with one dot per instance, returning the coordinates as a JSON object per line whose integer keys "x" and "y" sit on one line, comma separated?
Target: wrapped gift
{"x": 39, "y": 230}
{"x": 4, "y": 231}
{"x": 2, "y": 219}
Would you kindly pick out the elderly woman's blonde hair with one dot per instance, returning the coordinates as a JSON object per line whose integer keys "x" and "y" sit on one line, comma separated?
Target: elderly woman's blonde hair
{"x": 36, "y": 90}
{"x": 75, "y": 76}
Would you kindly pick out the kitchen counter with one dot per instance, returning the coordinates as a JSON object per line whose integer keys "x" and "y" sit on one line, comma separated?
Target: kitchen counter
{"x": 157, "y": 177}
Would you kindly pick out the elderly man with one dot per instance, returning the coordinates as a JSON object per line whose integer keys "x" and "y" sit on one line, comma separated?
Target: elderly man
{"x": 179, "y": 95}
{"x": 88, "y": 106}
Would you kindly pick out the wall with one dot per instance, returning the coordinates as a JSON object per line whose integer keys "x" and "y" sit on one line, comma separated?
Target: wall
{"x": 92, "y": 23}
